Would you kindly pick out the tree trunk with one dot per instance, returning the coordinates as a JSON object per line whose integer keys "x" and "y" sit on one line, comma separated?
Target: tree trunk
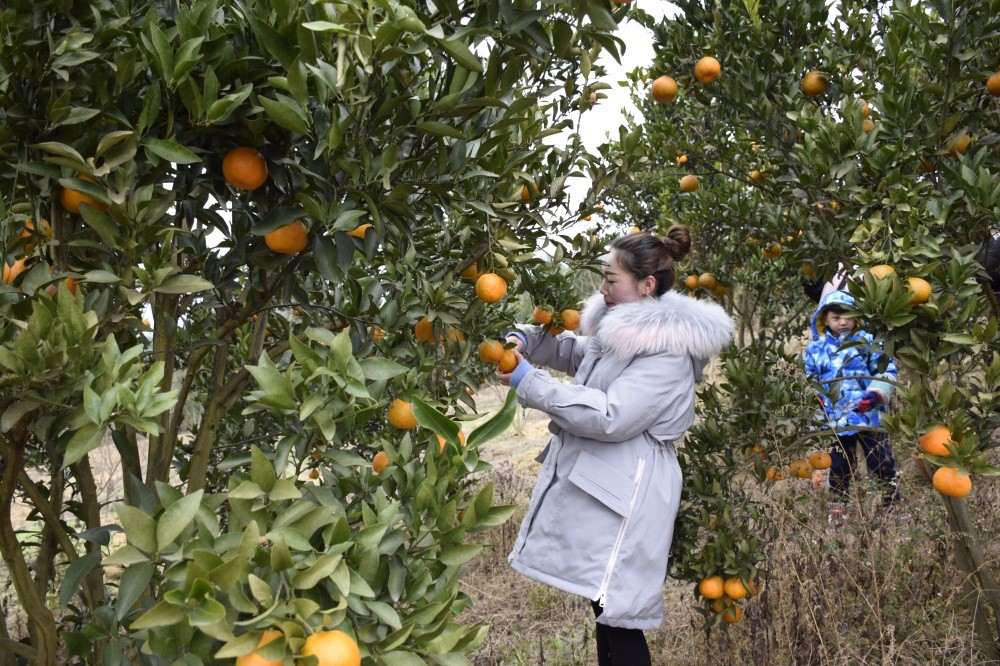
{"x": 161, "y": 449}
{"x": 41, "y": 623}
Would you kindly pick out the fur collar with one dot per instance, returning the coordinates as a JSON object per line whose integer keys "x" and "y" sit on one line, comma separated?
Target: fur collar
{"x": 673, "y": 323}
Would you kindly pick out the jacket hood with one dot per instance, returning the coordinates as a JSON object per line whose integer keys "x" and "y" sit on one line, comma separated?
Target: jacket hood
{"x": 673, "y": 323}
{"x": 838, "y": 297}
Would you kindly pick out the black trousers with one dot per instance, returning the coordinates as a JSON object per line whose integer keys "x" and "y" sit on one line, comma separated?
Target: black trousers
{"x": 620, "y": 647}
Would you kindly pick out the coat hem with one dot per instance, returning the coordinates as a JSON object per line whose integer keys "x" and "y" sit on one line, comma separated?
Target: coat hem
{"x": 587, "y": 592}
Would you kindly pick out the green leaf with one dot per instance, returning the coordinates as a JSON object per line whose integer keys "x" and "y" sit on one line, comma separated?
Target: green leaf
{"x": 327, "y": 26}
{"x": 162, "y": 614}
{"x": 15, "y": 412}
{"x": 462, "y": 55}
{"x": 381, "y": 369}
{"x": 261, "y": 469}
{"x": 85, "y": 440}
{"x": 101, "y": 277}
{"x": 497, "y": 424}
{"x": 320, "y": 569}
{"x": 400, "y": 658}
{"x": 440, "y": 129}
{"x": 284, "y": 489}
{"x": 134, "y": 581}
{"x": 184, "y": 283}
{"x": 176, "y": 518}
{"x": 75, "y": 573}
{"x": 459, "y": 554}
{"x": 434, "y": 420}
{"x": 171, "y": 151}
{"x": 286, "y": 112}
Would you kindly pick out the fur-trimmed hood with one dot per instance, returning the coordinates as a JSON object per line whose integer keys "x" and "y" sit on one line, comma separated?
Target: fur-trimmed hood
{"x": 673, "y": 323}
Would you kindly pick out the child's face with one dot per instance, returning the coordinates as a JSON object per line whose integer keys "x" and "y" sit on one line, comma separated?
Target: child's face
{"x": 838, "y": 323}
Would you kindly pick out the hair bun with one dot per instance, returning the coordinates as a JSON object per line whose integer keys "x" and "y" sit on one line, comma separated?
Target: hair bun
{"x": 677, "y": 241}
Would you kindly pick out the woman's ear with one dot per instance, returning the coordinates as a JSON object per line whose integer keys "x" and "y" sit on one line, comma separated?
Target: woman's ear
{"x": 649, "y": 286}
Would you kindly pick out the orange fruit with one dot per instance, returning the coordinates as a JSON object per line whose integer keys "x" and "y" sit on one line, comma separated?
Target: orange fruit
{"x": 401, "y": 415}
{"x": 689, "y": 183}
{"x": 570, "y": 319}
{"x": 720, "y": 605}
{"x": 556, "y": 330}
{"x": 491, "y": 351}
{"x": 867, "y": 125}
{"x": 29, "y": 226}
{"x": 800, "y": 468}
{"x": 682, "y": 159}
{"x": 635, "y": 230}
{"x": 254, "y": 659}
{"x": 289, "y": 239}
{"x": 711, "y": 587}
{"x": 707, "y": 281}
{"x": 814, "y": 84}
{"x": 865, "y": 109}
{"x": 809, "y": 270}
{"x": 470, "y": 272}
{"x": 71, "y": 200}
{"x": 359, "y": 231}
{"x": 507, "y": 361}
{"x": 526, "y": 193}
{"x": 664, "y": 89}
{"x": 442, "y": 442}
{"x": 920, "y": 288}
{"x": 773, "y": 474}
{"x": 314, "y": 473}
{"x": 934, "y": 440}
{"x": 424, "y": 330}
{"x": 491, "y": 288}
{"x": 691, "y": 282}
{"x": 542, "y": 315}
{"x": 707, "y": 69}
{"x": 755, "y": 176}
{"x": 881, "y": 271}
{"x": 378, "y": 334}
{"x": 454, "y": 334}
{"x": 949, "y": 481}
{"x": 332, "y": 648}
{"x": 244, "y": 168}
{"x": 735, "y": 589}
{"x": 960, "y": 145}
{"x": 753, "y": 588}
{"x": 733, "y": 614}
{"x": 11, "y": 272}
{"x": 380, "y": 461}
{"x": 771, "y": 251}
{"x": 993, "y": 84}
{"x": 820, "y": 460}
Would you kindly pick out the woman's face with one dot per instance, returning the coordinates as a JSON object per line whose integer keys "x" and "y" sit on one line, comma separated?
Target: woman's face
{"x": 619, "y": 286}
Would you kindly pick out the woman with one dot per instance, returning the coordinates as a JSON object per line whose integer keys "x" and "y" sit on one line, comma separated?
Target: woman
{"x": 601, "y": 516}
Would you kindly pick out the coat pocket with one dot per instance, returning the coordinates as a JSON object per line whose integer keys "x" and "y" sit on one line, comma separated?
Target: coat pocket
{"x": 603, "y": 482}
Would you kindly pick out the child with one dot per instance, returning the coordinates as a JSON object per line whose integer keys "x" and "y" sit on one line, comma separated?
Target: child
{"x": 845, "y": 360}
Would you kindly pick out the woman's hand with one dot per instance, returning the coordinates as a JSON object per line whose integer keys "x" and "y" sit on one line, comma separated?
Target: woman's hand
{"x": 504, "y": 377}
{"x": 518, "y": 342}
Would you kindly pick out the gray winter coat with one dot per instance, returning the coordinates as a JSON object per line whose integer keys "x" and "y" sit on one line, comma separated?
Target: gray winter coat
{"x": 601, "y": 516}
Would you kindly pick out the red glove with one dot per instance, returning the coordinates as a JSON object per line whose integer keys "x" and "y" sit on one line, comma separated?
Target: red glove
{"x": 868, "y": 402}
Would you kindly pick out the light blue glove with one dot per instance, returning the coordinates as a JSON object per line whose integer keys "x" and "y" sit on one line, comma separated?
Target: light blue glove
{"x": 520, "y": 371}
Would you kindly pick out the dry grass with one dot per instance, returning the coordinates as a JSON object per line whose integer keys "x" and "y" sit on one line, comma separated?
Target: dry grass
{"x": 881, "y": 588}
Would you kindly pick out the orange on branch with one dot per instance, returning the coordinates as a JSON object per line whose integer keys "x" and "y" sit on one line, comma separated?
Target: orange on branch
{"x": 993, "y": 84}
{"x": 707, "y": 69}
{"x": 934, "y": 440}
{"x": 689, "y": 183}
{"x": 635, "y": 230}
{"x": 881, "y": 271}
{"x": 491, "y": 288}
{"x": 289, "y": 239}
{"x": 868, "y": 125}
{"x": 800, "y": 468}
{"x": 254, "y": 659}
{"x": 470, "y": 272}
{"x": 380, "y": 461}
{"x": 733, "y": 614}
{"x": 244, "y": 168}
{"x": 820, "y": 460}
{"x": 756, "y": 176}
{"x": 10, "y": 272}
{"x": 332, "y": 648}
{"x": 951, "y": 482}
{"x": 920, "y": 290}
{"x": 542, "y": 315}
{"x": 29, "y": 226}
{"x": 442, "y": 442}
{"x": 491, "y": 351}
{"x": 691, "y": 282}
{"x": 712, "y": 587}
{"x": 707, "y": 281}
{"x": 570, "y": 319}
{"x": 814, "y": 84}
{"x": 401, "y": 415}
{"x": 424, "y": 330}
{"x": 71, "y": 200}
{"x": 360, "y": 230}
{"x": 960, "y": 145}
{"x": 664, "y": 89}
{"x": 735, "y": 589}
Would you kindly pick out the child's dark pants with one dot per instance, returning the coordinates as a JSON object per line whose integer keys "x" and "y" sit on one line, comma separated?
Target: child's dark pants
{"x": 878, "y": 458}
{"x": 620, "y": 647}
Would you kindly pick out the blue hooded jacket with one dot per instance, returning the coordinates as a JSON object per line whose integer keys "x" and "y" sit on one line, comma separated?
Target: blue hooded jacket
{"x": 846, "y": 370}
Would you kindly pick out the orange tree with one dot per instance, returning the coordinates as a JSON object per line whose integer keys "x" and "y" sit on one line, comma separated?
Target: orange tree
{"x": 257, "y": 216}
{"x": 858, "y": 134}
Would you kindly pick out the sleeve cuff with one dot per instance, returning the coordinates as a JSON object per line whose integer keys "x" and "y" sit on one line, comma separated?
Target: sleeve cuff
{"x": 520, "y": 371}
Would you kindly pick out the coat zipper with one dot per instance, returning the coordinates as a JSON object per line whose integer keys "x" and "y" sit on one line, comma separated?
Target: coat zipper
{"x": 603, "y": 592}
